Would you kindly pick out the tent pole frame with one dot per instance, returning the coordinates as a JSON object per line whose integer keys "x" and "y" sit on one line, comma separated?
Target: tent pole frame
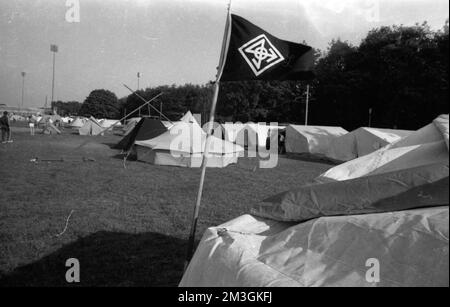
{"x": 138, "y": 108}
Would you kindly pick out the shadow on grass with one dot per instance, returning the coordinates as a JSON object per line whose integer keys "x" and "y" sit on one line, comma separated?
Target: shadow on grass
{"x": 306, "y": 157}
{"x": 109, "y": 259}
{"x": 110, "y": 145}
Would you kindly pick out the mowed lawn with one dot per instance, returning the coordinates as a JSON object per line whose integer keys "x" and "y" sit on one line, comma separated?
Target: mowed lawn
{"x": 129, "y": 226}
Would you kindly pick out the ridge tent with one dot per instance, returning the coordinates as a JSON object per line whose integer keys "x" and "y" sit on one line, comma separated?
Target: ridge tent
{"x": 107, "y": 123}
{"x": 66, "y": 120}
{"x": 423, "y": 147}
{"x": 91, "y": 127}
{"x": 363, "y": 141}
{"x": 183, "y": 145}
{"x": 311, "y": 139}
{"x": 77, "y": 122}
{"x": 189, "y": 118}
{"x": 16, "y": 117}
{"x": 250, "y": 135}
{"x": 145, "y": 129}
{"x": 49, "y": 119}
{"x": 323, "y": 234}
{"x": 50, "y": 129}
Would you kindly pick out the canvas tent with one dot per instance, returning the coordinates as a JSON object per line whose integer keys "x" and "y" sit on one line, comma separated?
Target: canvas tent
{"x": 91, "y": 127}
{"x": 77, "y": 122}
{"x": 250, "y": 135}
{"x": 422, "y": 147}
{"x": 49, "y": 119}
{"x": 363, "y": 141}
{"x": 130, "y": 124}
{"x": 145, "y": 129}
{"x": 50, "y": 129}
{"x": 323, "y": 234}
{"x": 311, "y": 139}
{"x": 16, "y": 117}
{"x": 182, "y": 145}
{"x": 189, "y": 118}
{"x": 107, "y": 123}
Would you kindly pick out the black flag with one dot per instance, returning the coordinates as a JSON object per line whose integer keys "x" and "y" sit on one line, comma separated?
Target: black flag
{"x": 254, "y": 54}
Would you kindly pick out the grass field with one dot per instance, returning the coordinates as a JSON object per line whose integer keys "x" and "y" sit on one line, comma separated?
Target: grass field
{"x": 129, "y": 226}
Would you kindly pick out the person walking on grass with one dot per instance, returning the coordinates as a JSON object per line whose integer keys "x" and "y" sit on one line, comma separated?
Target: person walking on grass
{"x": 4, "y": 126}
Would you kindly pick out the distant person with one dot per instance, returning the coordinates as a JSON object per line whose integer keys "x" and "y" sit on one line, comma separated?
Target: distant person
{"x": 4, "y": 126}
{"x": 281, "y": 142}
{"x": 31, "y": 125}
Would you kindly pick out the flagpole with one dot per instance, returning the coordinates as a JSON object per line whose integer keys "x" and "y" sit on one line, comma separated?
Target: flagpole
{"x": 191, "y": 242}
{"x": 307, "y": 105}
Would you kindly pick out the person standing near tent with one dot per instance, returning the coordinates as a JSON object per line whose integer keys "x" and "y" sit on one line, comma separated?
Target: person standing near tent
{"x": 4, "y": 126}
{"x": 31, "y": 125}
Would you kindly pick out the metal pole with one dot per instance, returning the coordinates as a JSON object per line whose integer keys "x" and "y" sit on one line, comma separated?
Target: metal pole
{"x": 138, "y": 76}
{"x": 307, "y": 105}
{"x": 53, "y": 78}
{"x": 202, "y": 176}
{"x": 223, "y": 52}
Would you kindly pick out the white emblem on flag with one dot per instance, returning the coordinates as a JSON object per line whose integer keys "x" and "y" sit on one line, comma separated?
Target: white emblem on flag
{"x": 260, "y": 54}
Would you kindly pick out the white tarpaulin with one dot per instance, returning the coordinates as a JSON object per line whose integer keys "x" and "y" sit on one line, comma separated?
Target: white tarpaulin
{"x": 311, "y": 139}
{"x": 411, "y": 247}
{"x": 337, "y": 230}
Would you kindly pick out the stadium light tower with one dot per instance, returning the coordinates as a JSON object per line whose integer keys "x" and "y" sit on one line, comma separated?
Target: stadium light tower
{"x": 54, "y": 49}
{"x": 138, "y": 77}
{"x": 23, "y": 89}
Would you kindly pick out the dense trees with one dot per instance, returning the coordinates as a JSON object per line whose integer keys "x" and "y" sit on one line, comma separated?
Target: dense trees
{"x": 67, "y": 108}
{"x": 401, "y": 73}
{"x": 101, "y": 104}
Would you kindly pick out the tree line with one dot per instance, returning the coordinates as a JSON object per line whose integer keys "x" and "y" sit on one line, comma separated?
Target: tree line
{"x": 396, "y": 78}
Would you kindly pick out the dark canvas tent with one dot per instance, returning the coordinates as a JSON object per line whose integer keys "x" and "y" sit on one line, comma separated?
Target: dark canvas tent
{"x": 145, "y": 129}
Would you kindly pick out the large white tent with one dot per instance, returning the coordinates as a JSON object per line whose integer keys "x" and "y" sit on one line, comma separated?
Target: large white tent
{"x": 311, "y": 139}
{"x": 78, "y": 122}
{"x": 250, "y": 135}
{"x": 91, "y": 127}
{"x": 331, "y": 233}
{"x": 422, "y": 147}
{"x": 363, "y": 141}
{"x": 182, "y": 145}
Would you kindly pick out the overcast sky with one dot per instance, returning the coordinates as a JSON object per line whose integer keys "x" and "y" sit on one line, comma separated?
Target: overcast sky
{"x": 168, "y": 41}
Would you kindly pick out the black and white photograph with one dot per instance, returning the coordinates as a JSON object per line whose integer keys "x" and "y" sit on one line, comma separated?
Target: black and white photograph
{"x": 224, "y": 148}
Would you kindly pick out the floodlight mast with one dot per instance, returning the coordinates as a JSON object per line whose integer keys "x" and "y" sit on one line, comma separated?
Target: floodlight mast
{"x": 54, "y": 49}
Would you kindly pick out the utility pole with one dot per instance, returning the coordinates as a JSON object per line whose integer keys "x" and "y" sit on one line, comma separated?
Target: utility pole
{"x": 54, "y": 49}
{"x": 23, "y": 89}
{"x": 307, "y": 105}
